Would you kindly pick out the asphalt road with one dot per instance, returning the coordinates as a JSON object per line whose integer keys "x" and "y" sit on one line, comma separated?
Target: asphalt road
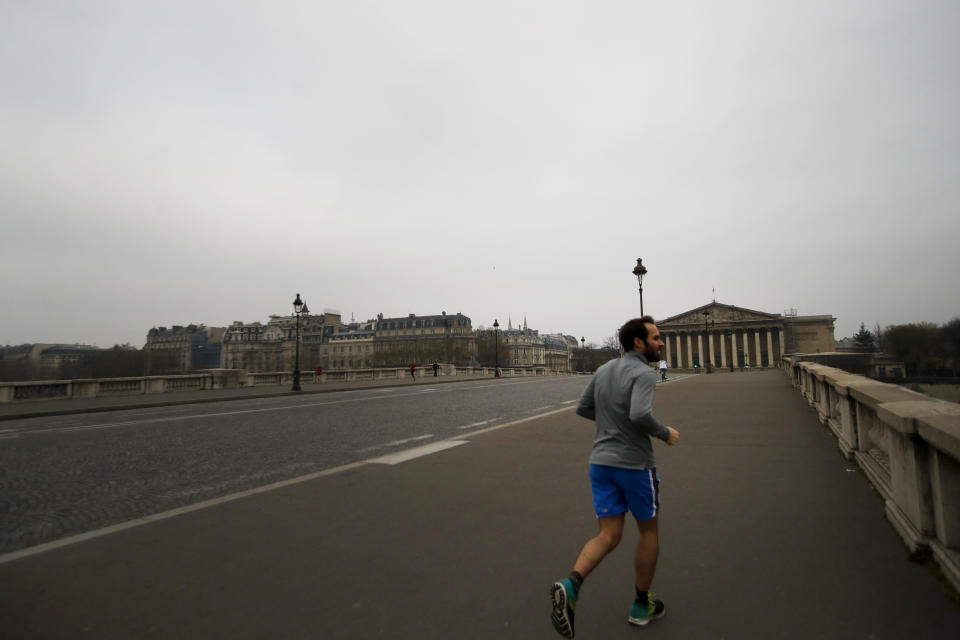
{"x": 766, "y": 532}
{"x": 64, "y": 475}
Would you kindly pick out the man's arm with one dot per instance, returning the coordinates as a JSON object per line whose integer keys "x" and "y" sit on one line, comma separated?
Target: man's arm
{"x": 586, "y": 407}
{"x": 641, "y": 408}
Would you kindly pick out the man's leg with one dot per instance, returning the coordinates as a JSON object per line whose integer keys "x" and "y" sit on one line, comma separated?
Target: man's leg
{"x": 596, "y": 549}
{"x": 644, "y": 609}
{"x": 563, "y": 594}
{"x": 648, "y": 549}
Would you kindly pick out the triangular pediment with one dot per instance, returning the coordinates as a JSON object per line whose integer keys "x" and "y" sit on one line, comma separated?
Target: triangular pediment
{"x": 719, "y": 313}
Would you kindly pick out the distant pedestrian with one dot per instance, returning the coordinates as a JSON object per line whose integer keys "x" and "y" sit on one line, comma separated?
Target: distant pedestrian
{"x": 436, "y": 369}
{"x": 619, "y": 398}
{"x": 413, "y": 369}
{"x": 318, "y": 374}
{"x": 663, "y": 370}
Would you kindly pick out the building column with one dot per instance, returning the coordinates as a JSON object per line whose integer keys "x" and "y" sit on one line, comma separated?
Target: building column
{"x": 770, "y": 346}
{"x": 746, "y": 346}
{"x": 689, "y": 352}
{"x": 700, "y": 348}
{"x": 781, "y": 335}
{"x": 756, "y": 335}
{"x": 678, "y": 351}
{"x": 723, "y": 351}
{"x": 710, "y": 348}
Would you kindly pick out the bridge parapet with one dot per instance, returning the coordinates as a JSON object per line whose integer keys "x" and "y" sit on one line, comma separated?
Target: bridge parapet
{"x": 906, "y": 443}
{"x": 233, "y": 379}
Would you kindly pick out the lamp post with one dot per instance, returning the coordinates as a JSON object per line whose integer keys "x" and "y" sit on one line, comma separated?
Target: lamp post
{"x": 640, "y": 271}
{"x": 706, "y": 332}
{"x": 496, "y": 347}
{"x": 583, "y": 354}
{"x": 297, "y": 308}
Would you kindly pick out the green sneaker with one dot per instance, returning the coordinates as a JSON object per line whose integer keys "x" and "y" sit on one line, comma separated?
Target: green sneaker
{"x": 564, "y": 600}
{"x": 640, "y": 614}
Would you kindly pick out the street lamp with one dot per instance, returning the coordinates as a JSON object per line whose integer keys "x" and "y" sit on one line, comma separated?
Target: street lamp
{"x": 706, "y": 331}
{"x": 496, "y": 347}
{"x": 297, "y": 308}
{"x": 640, "y": 271}
{"x": 583, "y": 354}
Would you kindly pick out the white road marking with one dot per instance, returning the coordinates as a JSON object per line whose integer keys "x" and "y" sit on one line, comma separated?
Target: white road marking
{"x": 410, "y": 454}
{"x": 480, "y": 424}
{"x": 568, "y": 402}
{"x": 549, "y": 406}
{"x": 396, "y": 443}
{"x": 519, "y": 421}
{"x": 475, "y": 424}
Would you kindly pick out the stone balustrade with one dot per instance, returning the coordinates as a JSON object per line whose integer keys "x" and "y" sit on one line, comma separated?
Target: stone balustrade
{"x": 228, "y": 379}
{"x": 906, "y": 443}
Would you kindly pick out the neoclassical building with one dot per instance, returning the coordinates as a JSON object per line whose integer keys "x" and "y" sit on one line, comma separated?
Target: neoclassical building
{"x": 725, "y": 335}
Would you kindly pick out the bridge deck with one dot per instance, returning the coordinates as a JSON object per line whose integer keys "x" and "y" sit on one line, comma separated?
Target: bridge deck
{"x": 767, "y": 532}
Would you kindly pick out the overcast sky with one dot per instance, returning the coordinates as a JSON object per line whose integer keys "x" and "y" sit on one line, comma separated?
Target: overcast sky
{"x": 202, "y": 162}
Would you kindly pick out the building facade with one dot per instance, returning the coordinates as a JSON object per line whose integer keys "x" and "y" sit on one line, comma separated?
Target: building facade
{"x": 558, "y": 351}
{"x": 421, "y": 340}
{"x": 272, "y": 346}
{"x": 381, "y": 342}
{"x": 525, "y": 348}
{"x": 350, "y": 347}
{"x": 181, "y": 349}
{"x": 726, "y": 336}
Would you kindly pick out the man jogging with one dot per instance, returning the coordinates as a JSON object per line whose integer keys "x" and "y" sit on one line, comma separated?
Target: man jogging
{"x": 622, "y": 471}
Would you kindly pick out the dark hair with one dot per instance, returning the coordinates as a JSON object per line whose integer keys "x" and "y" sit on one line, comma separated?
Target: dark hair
{"x": 636, "y": 328}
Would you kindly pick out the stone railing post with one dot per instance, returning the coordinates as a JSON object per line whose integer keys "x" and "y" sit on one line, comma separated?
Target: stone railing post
{"x": 910, "y": 507}
{"x": 942, "y": 431}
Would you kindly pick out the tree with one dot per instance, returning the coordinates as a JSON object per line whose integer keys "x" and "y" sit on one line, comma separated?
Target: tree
{"x": 611, "y": 342}
{"x": 878, "y": 333}
{"x": 918, "y": 345}
{"x": 864, "y": 340}
{"x": 950, "y": 333}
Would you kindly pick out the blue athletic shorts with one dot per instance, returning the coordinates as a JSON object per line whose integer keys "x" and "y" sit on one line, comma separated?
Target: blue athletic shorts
{"x": 616, "y": 490}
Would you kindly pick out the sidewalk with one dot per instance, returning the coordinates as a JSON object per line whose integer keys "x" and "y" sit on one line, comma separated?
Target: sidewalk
{"x": 65, "y": 406}
{"x": 766, "y": 532}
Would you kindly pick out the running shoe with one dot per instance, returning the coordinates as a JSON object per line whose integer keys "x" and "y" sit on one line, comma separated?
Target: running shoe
{"x": 564, "y": 600}
{"x": 640, "y": 614}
